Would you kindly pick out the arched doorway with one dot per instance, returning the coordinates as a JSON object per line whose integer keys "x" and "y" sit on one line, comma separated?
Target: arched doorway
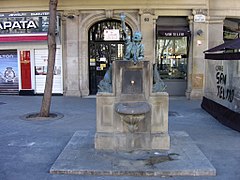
{"x": 106, "y": 44}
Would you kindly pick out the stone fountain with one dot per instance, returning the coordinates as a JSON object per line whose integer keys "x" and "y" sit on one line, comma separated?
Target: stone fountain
{"x": 132, "y": 110}
{"x": 132, "y": 116}
{"x": 132, "y": 127}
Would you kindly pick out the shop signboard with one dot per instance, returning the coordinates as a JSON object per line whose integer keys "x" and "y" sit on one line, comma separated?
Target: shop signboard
{"x": 173, "y": 33}
{"x": 25, "y": 22}
{"x": 8, "y": 71}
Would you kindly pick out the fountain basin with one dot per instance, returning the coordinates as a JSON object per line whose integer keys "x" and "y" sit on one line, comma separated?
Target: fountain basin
{"x": 132, "y": 108}
{"x": 132, "y": 113}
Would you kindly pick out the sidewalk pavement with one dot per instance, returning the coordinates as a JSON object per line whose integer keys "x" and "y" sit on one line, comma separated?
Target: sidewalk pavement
{"x": 29, "y": 148}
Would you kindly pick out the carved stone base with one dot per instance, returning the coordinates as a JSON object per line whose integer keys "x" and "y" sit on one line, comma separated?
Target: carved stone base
{"x": 132, "y": 141}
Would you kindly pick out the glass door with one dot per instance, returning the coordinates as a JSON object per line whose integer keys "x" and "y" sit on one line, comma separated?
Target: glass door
{"x": 172, "y": 63}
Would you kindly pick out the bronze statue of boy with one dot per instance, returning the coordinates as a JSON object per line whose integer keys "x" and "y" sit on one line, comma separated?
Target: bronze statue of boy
{"x": 134, "y": 50}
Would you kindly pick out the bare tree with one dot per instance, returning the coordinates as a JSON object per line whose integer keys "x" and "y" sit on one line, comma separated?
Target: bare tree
{"x": 47, "y": 97}
{"x": 165, "y": 45}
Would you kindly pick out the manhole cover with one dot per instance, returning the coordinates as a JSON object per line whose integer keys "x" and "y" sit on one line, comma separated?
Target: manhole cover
{"x": 173, "y": 113}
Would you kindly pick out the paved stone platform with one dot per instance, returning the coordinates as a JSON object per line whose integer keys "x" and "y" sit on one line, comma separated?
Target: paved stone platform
{"x": 183, "y": 159}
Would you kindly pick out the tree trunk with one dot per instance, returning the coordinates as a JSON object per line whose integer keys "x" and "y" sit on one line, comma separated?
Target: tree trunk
{"x": 165, "y": 45}
{"x": 46, "y": 101}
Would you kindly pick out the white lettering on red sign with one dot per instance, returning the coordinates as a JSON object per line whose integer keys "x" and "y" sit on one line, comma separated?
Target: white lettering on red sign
{"x": 18, "y": 25}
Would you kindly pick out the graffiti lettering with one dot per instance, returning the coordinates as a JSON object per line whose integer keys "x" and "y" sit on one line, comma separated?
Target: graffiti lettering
{"x": 221, "y": 78}
{"x": 223, "y": 92}
{"x": 219, "y": 68}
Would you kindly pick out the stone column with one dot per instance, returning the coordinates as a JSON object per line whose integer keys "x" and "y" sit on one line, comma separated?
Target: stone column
{"x": 215, "y": 31}
{"x": 199, "y": 44}
{"x": 71, "y": 60}
{"x": 190, "y": 61}
{"x": 83, "y": 55}
{"x": 147, "y": 29}
{"x": 215, "y": 38}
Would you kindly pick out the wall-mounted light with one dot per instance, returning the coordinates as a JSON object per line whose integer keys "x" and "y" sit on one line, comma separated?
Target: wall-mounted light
{"x": 199, "y": 37}
{"x": 199, "y": 42}
{"x": 199, "y": 32}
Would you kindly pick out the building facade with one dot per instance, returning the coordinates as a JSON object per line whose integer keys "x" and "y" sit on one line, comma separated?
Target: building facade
{"x": 175, "y": 34}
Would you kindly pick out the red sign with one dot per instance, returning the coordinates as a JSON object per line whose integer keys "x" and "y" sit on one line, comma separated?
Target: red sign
{"x": 23, "y": 37}
{"x": 25, "y": 69}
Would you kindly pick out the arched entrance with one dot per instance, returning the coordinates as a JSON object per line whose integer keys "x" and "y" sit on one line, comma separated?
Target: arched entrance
{"x": 106, "y": 44}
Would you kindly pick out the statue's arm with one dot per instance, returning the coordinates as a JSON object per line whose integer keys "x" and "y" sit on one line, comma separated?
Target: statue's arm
{"x": 123, "y": 17}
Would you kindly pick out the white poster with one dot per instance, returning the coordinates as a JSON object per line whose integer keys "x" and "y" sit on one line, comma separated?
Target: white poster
{"x": 41, "y": 57}
{"x": 111, "y": 35}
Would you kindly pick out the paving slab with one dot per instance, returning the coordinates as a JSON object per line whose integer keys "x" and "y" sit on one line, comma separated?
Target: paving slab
{"x": 183, "y": 159}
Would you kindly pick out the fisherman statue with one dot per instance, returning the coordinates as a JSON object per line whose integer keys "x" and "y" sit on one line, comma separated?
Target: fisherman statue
{"x": 134, "y": 51}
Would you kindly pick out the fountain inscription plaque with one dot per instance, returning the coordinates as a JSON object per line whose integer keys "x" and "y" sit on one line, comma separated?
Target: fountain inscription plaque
{"x": 132, "y": 81}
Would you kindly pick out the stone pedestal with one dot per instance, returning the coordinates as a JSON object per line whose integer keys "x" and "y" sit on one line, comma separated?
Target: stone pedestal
{"x": 132, "y": 85}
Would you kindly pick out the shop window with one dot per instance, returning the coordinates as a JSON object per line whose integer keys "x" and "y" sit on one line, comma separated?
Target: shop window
{"x": 172, "y": 57}
{"x": 231, "y": 29}
{"x": 173, "y": 36}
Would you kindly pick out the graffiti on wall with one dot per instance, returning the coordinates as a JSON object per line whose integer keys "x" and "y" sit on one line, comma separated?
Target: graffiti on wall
{"x": 223, "y": 91}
